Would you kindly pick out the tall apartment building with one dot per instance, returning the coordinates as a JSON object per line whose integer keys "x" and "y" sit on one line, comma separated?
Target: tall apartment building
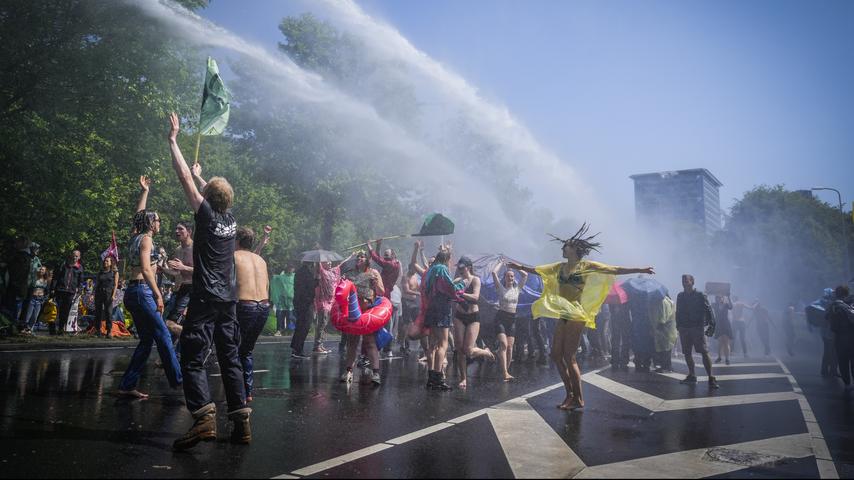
{"x": 671, "y": 199}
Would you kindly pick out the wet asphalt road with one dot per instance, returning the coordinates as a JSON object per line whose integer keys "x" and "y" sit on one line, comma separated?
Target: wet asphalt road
{"x": 60, "y": 419}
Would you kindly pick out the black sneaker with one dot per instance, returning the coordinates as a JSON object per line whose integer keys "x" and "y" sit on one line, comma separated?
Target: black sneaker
{"x": 691, "y": 379}
{"x": 713, "y": 384}
{"x": 299, "y": 355}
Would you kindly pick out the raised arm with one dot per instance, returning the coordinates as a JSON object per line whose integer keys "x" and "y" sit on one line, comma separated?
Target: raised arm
{"x": 267, "y": 230}
{"x": 495, "y": 280}
{"x": 629, "y": 271}
{"x": 522, "y": 268}
{"x": 145, "y": 184}
{"x": 194, "y": 198}
{"x": 523, "y": 279}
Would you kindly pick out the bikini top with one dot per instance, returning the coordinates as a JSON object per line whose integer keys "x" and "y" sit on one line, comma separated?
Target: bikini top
{"x": 135, "y": 245}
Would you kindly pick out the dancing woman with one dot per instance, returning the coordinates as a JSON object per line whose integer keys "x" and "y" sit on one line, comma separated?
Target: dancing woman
{"x": 508, "y": 290}
{"x": 573, "y": 292}
{"x": 145, "y": 302}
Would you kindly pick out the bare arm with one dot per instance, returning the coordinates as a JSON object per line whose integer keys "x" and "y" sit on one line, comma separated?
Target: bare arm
{"x": 265, "y": 240}
{"x": 145, "y": 184}
{"x": 115, "y": 285}
{"x": 522, "y": 268}
{"x": 148, "y": 271}
{"x": 495, "y": 280}
{"x": 629, "y": 271}
{"x": 194, "y": 198}
{"x": 523, "y": 279}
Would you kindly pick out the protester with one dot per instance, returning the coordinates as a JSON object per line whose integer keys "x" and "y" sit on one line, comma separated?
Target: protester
{"x": 508, "y": 290}
{"x": 144, "y": 301}
{"x": 38, "y": 294}
{"x": 840, "y": 316}
{"x": 762, "y": 320}
{"x": 324, "y": 297}
{"x": 180, "y": 267}
{"x": 411, "y": 305}
{"x": 389, "y": 267}
{"x": 19, "y": 280}
{"x": 105, "y": 292}
{"x": 253, "y": 303}
{"x": 305, "y": 283}
{"x": 467, "y": 321}
{"x": 621, "y": 336}
{"x": 693, "y": 315}
{"x": 282, "y": 296}
{"x": 211, "y": 314}
{"x": 439, "y": 292}
{"x": 563, "y": 298}
{"x": 67, "y": 282}
{"x": 788, "y": 325}
{"x": 739, "y": 324}
{"x": 723, "y": 327}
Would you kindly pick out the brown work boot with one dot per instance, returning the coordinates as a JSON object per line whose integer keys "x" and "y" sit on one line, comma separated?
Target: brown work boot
{"x": 240, "y": 433}
{"x": 203, "y": 429}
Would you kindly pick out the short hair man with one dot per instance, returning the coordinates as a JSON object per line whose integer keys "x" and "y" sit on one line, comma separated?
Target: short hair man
{"x": 253, "y": 304}
{"x": 693, "y": 314}
{"x": 181, "y": 270}
{"x": 212, "y": 311}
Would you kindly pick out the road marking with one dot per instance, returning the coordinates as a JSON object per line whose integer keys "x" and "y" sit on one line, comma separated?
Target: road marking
{"x": 824, "y": 461}
{"x": 704, "y": 462}
{"x": 697, "y": 361}
{"x": 656, "y": 404}
{"x": 341, "y": 460}
{"x": 68, "y": 349}
{"x": 531, "y": 446}
{"x": 419, "y": 433}
{"x": 721, "y": 378}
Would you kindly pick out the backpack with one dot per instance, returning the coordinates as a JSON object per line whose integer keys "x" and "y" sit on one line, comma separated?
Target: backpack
{"x": 841, "y": 316}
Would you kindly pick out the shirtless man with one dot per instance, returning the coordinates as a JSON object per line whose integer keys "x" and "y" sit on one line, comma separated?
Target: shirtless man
{"x": 253, "y": 304}
{"x": 181, "y": 270}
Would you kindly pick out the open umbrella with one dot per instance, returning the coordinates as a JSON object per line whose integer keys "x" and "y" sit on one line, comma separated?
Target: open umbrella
{"x": 320, "y": 256}
{"x": 617, "y": 296}
{"x": 646, "y": 288}
{"x": 528, "y": 294}
{"x": 434, "y": 224}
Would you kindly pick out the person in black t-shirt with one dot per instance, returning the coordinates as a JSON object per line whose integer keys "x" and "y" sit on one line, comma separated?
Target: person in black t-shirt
{"x": 212, "y": 314}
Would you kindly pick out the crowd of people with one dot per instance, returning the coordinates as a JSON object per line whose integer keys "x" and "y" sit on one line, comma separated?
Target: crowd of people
{"x": 214, "y": 294}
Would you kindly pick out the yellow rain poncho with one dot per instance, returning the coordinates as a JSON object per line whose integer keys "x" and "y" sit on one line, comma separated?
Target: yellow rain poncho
{"x": 576, "y": 297}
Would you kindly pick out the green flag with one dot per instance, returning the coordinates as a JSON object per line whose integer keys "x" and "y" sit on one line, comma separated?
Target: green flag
{"x": 436, "y": 224}
{"x": 214, "y": 116}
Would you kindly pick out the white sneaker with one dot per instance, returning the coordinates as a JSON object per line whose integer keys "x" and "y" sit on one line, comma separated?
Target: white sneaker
{"x": 277, "y": 334}
{"x": 347, "y": 377}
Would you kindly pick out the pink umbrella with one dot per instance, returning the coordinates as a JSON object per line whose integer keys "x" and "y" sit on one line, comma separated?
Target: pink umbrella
{"x": 617, "y": 295}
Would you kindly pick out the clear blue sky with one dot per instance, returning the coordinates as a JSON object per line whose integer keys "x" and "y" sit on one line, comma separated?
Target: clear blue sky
{"x": 758, "y": 92}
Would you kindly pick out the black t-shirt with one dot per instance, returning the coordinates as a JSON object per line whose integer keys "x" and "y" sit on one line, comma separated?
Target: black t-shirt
{"x": 213, "y": 255}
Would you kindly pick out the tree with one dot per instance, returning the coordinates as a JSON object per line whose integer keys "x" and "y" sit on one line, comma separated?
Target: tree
{"x": 786, "y": 245}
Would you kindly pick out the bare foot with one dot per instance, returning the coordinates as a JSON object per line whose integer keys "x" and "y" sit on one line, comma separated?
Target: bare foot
{"x": 489, "y": 355}
{"x": 566, "y": 403}
{"x": 462, "y": 385}
{"x": 509, "y": 377}
{"x": 576, "y": 406}
{"x": 132, "y": 394}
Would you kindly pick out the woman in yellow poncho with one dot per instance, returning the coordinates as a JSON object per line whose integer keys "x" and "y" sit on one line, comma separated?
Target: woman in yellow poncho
{"x": 573, "y": 291}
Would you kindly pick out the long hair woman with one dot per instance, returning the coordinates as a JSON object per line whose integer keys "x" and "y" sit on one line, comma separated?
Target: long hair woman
{"x": 508, "y": 290}
{"x": 573, "y": 293}
{"x": 145, "y": 302}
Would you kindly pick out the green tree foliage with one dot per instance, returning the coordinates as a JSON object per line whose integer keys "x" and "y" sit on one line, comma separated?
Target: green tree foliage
{"x": 786, "y": 245}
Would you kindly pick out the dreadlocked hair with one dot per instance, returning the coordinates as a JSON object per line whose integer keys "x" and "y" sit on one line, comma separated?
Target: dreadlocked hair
{"x": 581, "y": 241}
{"x": 143, "y": 221}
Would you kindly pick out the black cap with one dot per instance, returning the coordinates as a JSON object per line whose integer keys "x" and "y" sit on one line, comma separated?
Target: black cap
{"x": 465, "y": 261}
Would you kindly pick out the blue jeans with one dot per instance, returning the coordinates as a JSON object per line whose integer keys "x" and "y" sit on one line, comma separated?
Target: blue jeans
{"x": 252, "y": 318}
{"x": 33, "y": 310}
{"x": 151, "y": 328}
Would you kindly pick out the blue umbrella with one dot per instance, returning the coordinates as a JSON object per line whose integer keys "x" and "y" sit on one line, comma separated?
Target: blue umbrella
{"x": 529, "y": 293}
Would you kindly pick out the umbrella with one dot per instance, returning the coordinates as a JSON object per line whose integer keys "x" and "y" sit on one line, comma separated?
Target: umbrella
{"x": 320, "y": 256}
{"x": 434, "y": 225}
{"x": 617, "y": 296}
{"x": 530, "y": 292}
{"x": 644, "y": 288}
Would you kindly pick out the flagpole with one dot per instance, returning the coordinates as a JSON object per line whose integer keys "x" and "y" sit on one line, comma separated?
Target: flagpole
{"x": 198, "y": 144}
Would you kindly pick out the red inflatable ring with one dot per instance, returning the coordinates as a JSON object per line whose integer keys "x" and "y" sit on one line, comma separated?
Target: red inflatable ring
{"x": 347, "y": 317}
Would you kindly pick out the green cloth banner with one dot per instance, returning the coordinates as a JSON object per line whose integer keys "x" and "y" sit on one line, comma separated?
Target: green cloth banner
{"x": 214, "y": 116}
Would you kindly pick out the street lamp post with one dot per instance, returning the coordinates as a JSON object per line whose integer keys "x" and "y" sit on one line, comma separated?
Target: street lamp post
{"x": 844, "y": 232}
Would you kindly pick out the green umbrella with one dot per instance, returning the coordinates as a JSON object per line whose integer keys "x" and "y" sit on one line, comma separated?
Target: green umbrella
{"x": 435, "y": 224}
